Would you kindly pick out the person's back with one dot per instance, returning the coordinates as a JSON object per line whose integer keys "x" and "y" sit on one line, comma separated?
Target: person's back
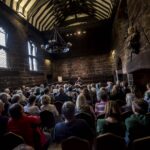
{"x": 31, "y": 108}
{"x": 112, "y": 122}
{"x": 77, "y": 127}
{"x": 51, "y": 108}
{"x": 71, "y": 126}
{"x": 61, "y": 96}
{"x": 23, "y": 125}
{"x": 138, "y": 124}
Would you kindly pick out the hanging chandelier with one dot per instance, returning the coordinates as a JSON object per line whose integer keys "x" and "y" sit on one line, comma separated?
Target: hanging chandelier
{"x": 56, "y": 44}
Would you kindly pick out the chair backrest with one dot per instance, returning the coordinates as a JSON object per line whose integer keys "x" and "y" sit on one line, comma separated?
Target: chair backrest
{"x": 87, "y": 117}
{"x": 141, "y": 144}
{"x": 75, "y": 143}
{"x": 101, "y": 116}
{"x": 58, "y": 105}
{"x": 110, "y": 141}
{"x": 126, "y": 114}
{"x": 11, "y": 140}
{"x": 47, "y": 119}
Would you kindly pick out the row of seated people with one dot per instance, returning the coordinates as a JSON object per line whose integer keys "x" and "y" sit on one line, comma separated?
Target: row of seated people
{"x": 136, "y": 126}
{"x": 82, "y": 105}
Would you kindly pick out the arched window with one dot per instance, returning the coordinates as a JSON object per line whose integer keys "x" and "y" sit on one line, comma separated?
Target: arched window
{"x": 32, "y": 53}
{"x": 3, "y": 53}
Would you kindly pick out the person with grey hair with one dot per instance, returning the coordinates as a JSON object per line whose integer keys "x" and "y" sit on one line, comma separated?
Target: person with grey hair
{"x": 4, "y": 98}
{"x": 138, "y": 124}
{"x": 23, "y": 147}
{"x": 129, "y": 99}
{"x": 71, "y": 126}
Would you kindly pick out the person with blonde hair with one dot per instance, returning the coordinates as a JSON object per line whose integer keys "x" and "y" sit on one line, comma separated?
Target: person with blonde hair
{"x": 83, "y": 106}
{"x": 46, "y": 105}
{"x": 111, "y": 123}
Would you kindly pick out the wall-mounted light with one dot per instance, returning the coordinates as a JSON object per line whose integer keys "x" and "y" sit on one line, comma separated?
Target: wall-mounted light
{"x": 113, "y": 53}
{"x": 78, "y": 32}
{"x": 47, "y": 62}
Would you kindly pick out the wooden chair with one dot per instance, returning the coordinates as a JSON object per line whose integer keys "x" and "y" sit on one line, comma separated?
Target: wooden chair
{"x": 109, "y": 141}
{"x": 148, "y": 114}
{"x": 141, "y": 144}
{"x": 88, "y": 118}
{"x": 47, "y": 120}
{"x": 11, "y": 140}
{"x": 126, "y": 114}
{"x": 75, "y": 143}
{"x": 101, "y": 116}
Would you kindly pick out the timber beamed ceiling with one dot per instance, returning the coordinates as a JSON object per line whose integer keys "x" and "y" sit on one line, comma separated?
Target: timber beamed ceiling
{"x": 45, "y": 14}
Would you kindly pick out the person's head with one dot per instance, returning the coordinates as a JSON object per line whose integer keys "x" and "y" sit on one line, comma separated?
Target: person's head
{"x": 115, "y": 89}
{"x": 46, "y": 90}
{"x": 7, "y": 90}
{"x": 61, "y": 90}
{"x": 4, "y": 97}
{"x": 101, "y": 91}
{"x": 148, "y": 86}
{"x": 37, "y": 91}
{"x": 32, "y": 99}
{"x": 16, "y": 111}
{"x": 109, "y": 84}
{"x": 81, "y": 101}
{"x": 46, "y": 100}
{"x": 23, "y": 147}
{"x": 104, "y": 96}
{"x": 139, "y": 106}
{"x": 15, "y": 98}
{"x": 1, "y": 106}
{"x": 68, "y": 110}
{"x": 112, "y": 109}
{"x": 129, "y": 98}
{"x": 98, "y": 85}
{"x": 79, "y": 78}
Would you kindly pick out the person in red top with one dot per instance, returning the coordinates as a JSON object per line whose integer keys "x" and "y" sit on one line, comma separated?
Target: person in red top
{"x": 25, "y": 126}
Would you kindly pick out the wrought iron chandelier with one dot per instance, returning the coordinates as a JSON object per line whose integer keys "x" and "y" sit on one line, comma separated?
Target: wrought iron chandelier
{"x": 56, "y": 44}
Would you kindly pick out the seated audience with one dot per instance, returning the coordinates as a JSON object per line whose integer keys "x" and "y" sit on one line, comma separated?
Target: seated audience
{"x": 31, "y": 108}
{"x": 88, "y": 96}
{"x": 71, "y": 126}
{"x": 138, "y": 124}
{"x": 46, "y": 105}
{"x": 61, "y": 96}
{"x": 112, "y": 122}
{"x": 129, "y": 99}
{"x": 83, "y": 106}
{"x": 23, "y": 147}
{"x": 3, "y": 121}
{"x": 109, "y": 87}
{"x": 102, "y": 100}
{"x": 25, "y": 126}
{"x": 79, "y": 81}
{"x": 4, "y": 98}
{"x": 147, "y": 95}
{"x": 117, "y": 93}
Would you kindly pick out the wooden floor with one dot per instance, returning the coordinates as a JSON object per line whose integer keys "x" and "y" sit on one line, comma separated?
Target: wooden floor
{"x": 55, "y": 147}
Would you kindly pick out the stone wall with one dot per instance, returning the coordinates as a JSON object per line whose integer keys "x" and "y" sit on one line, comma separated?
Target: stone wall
{"x": 19, "y": 32}
{"x": 90, "y": 68}
{"x": 135, "y": 13}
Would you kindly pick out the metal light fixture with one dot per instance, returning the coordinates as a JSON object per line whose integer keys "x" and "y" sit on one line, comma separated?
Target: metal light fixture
{"x": 56, "y": 44}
